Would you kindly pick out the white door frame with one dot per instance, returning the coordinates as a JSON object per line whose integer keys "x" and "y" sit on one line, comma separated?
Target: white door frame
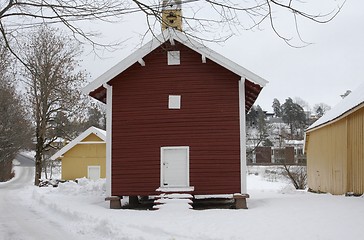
{"x": 93, "y": 166}
{"x": 187, "y": 148}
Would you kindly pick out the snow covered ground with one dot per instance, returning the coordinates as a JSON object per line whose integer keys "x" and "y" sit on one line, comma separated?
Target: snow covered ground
{"x": 78, "y": 211}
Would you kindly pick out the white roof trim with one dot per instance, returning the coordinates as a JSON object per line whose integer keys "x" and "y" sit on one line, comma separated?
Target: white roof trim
{"x": 172, "y": 34}
{"x": 98, "y": 132}
{"x": 353, "y": 101}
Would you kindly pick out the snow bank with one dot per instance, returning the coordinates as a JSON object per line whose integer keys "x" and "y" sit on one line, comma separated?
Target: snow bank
{"x": 276, "y": 211}
{"x": 83, "y": 186}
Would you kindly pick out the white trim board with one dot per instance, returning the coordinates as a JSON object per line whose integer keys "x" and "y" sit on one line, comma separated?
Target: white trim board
{"x": 167, "y": 35}
{"x": 108, "y": 138}
{"x": 98, "y": 132}
{"x": 242, "y": 124}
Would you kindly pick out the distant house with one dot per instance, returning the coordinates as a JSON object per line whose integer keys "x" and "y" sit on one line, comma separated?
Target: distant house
{"x": 85, "y": 156}
{"x": 176, "y": 119}
{"x": 289, "y": 154}
{"x": 335, "y": 148}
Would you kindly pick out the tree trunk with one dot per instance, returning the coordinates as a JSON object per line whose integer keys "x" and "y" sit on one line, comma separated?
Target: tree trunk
{"x": 38, "y": 161}
{"x": 5, "y": 170}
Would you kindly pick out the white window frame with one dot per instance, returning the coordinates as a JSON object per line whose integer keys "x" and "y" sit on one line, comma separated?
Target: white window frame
{"x": 174, "y": 102}
{"x": 93, "y": 166}
{"x": 174, "y": 57}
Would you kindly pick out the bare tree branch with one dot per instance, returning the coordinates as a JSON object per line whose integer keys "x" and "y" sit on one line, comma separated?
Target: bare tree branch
{"x": 200, "y": 16}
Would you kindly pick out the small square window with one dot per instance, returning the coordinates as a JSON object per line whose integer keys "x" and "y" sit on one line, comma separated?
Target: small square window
{"x": 173, "y": 58}
{"x": 174, "y": 102}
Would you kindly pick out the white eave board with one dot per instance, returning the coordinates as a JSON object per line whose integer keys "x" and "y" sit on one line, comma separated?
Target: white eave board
{"x": 185, "y": 40}
{"x": 98, "y": 132}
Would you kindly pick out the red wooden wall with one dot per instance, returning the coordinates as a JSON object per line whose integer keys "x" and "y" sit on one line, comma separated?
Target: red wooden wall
{"x": 208, "y": 122}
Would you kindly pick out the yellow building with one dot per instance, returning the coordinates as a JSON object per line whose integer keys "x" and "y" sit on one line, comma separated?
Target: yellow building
{"x": 335, "y": 148}
{"x": 85, "y": 156}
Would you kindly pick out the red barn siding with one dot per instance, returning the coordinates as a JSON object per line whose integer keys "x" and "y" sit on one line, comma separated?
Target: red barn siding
{"x": 208, "y": 122}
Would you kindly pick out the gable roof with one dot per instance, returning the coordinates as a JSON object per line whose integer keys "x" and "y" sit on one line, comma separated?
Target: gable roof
{"x": 171, "y": 35}
{"x": 92, "y": 130}
{"x": 354, "y": 100}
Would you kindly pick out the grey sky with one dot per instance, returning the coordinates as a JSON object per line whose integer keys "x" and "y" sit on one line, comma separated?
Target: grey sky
{"x": 320, "y": 72}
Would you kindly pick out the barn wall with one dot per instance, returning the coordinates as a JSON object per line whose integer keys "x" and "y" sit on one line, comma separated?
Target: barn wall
{"x": 208, "y": 122}
{"x": 327, "y": 158}
{"x": 356, "y": 152}
{"x": 77, "y": 159}
{"x": 263, "y": 155}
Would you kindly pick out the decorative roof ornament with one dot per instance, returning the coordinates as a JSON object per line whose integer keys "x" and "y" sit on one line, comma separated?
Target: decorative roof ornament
{"x": 172, "y": 14}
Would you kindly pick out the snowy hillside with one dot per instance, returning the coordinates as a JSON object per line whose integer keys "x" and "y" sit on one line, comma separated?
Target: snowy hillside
{"x": 276, "y": 211}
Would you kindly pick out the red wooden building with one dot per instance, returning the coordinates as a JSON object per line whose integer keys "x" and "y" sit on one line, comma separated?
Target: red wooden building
{"x": 176, "y": 119}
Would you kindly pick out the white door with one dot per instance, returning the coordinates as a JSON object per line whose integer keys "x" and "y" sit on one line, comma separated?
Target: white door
{"x": 93, "y": 172}
{"x": 174, "y": 166}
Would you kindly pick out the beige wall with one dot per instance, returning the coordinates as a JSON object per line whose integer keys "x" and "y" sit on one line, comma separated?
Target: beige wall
{"x": 335, "y": 156}
{"x": 356, "y": 152}
{"x": 76, "y": 161}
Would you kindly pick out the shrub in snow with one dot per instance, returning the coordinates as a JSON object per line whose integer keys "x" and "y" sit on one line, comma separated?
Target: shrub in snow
{"x": 297, "y": 175}
{"x": 50, "y": 182}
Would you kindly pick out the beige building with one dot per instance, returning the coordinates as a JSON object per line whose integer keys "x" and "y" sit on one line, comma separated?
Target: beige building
{"x": 335, "y": 148}
{"x": 85, "y": 156}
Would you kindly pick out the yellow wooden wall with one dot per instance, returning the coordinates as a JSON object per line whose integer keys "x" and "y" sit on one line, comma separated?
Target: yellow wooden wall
{"x": 356, "y": 152}
{"x": 335, "y": 156}
{"x": 76, "y": 161}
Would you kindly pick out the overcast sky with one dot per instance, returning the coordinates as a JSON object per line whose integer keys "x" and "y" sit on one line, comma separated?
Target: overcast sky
{"x": 318, "y": 73}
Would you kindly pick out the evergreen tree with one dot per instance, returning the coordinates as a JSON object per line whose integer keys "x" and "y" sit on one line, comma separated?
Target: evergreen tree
{"x": 252, "y": 116}
{"x": 293, "y": 115}
{"x": 277, "y": 108}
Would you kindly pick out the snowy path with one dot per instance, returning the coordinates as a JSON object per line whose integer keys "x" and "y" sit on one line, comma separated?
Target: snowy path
{"x": 18, "y": 222}
{"x": 77, "y": 211}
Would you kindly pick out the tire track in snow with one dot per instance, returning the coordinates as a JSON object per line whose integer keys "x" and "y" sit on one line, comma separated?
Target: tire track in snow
{"x": 19, "y": 222}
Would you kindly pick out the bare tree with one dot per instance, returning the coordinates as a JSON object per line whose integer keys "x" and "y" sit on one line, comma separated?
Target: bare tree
{"x": 320, "y": 109}
{"x": 200, "y": 16}
{"x": 14, "y": 124}
{"x": 52, "y": 81}
{"x": 297, "y": 174}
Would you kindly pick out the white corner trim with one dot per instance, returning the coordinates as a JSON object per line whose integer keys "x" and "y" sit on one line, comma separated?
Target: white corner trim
{"x": 141, "y": 62}
{"x": 242, "y": 123}
{"x": 108, "y": 138}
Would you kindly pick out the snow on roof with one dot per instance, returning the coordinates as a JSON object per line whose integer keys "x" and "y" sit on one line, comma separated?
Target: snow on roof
{"x": 294, "y": 142}
{"x": 171, "y": 35}
{"x": 348, "y": 103}
{"x": 98, "y": 132}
